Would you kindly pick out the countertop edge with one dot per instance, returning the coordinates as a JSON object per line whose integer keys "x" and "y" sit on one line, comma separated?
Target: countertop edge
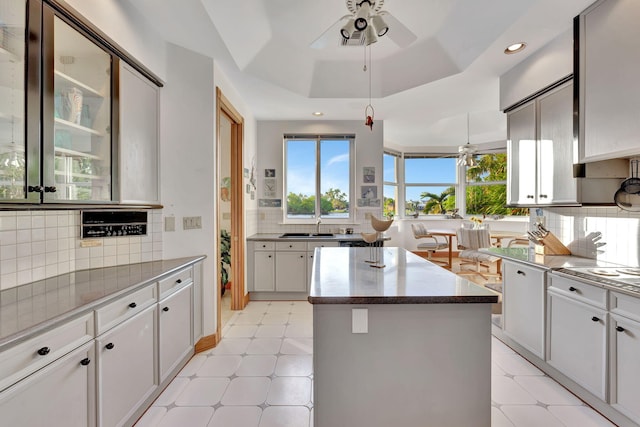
{"x": 268, "y": 237}
{"x": 469, "y": 299}
{"x": 25, "y": 334}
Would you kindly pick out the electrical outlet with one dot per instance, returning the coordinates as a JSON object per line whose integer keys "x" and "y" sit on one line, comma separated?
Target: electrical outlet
{"x": 262, "y": 216}
{"x": 367, "y": 215}
{"x": 170, "y": 223}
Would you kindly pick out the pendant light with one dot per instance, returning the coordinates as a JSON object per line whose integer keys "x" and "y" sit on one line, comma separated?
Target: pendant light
{"x": 467, "y": 151}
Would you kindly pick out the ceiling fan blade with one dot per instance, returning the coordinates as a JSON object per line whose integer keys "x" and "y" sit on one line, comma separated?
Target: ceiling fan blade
{"x": 330, "y": 35}
{"x": 398, "y": 32}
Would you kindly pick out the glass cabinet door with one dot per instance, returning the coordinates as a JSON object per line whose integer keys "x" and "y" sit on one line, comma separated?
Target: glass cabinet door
{"x": 13, "y": 171}
{"x": 77, "y": 116}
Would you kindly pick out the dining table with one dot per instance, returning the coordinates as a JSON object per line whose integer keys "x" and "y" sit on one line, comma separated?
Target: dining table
{"x": 496, "y": 235}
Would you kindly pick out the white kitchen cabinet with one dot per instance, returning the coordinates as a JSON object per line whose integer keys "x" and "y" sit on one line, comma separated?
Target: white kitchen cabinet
{"x": 61, "y": 394}
{"x": 175, "y": 341}
{"x": 624, "y": 342}
{"x": 609, "y": 94}
{"x": 577, "y": 341}
{"x": 291, "y": 271}
{"x": 524, "y": 305}
{"x": 540, "y": 150}
{"x": 139, "y": 174}
{"x": 263, "y": 268}
{"x": 127, "y": 370}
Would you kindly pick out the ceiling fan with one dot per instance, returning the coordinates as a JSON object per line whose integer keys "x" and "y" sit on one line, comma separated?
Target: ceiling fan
{"x": 363, "y": 25}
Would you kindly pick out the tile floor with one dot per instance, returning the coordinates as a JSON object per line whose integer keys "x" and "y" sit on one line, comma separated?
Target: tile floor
{"x": 260, "y": 375}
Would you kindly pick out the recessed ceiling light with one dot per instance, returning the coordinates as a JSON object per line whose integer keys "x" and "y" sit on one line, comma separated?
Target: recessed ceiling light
{"x": 516, "y": 47}
{"x": 318, "y": 113}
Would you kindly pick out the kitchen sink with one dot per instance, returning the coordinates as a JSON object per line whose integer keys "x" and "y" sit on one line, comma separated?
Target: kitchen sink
{"x": 321, "y": 235}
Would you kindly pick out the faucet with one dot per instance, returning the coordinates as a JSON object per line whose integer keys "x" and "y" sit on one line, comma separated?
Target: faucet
{"x": 318, "y": 226}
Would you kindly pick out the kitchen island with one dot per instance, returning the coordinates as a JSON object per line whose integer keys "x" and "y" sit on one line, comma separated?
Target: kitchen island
{"x": 404, "y": 345}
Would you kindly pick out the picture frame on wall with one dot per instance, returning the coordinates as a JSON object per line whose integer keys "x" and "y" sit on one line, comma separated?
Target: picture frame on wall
{"x": 369, "y": 174}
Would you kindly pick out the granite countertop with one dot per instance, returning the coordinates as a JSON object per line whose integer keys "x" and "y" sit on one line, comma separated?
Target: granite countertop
{"x": 336, "y": 237}
{"x": 549, "y": 262}
{"x": 341, "y": 276}
{"x": 35, "y": 307}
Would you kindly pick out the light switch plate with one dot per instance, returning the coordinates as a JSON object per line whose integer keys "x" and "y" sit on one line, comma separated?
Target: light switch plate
{"x": 359, "y": 320}
{"x": 170, "y": 223}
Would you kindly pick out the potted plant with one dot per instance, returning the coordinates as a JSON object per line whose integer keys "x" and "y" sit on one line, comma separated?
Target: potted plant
{"x": 225, "y": 258}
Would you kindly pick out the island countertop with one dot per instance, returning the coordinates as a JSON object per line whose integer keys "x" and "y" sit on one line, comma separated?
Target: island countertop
{"x": 341, "y": 276}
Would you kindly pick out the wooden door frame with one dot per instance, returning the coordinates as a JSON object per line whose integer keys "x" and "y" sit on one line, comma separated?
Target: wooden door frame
{"x": 238, "y": 298}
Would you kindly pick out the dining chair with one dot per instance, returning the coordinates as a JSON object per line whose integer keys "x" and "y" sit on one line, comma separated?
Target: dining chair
{"x": 431, "y": 243}
{"x": 470, "y": 241}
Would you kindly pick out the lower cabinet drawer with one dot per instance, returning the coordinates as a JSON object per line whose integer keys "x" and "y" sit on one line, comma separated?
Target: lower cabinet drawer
{"x": 579, "y": 290}
{"x": 124, "y": 308}
{"x": 175, "y": 281}
{"x": 37, "y": 352}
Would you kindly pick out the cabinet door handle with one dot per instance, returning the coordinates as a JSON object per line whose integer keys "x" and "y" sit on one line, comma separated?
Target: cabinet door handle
{"x": 133, "y": 305}
{"x": 269, "y": 256}
{"x": 572, "y": 289}
{"x": 595, "y": 319}
{"x": 50, "y": 189}
{"x": 290, "y": 246}
{"x": 109, "y": 346}
{"x": 521, "y": 272}
{"x": 35, "y": 189}
{"x": 529, "y": 196}
{"x": 301, "y": 256}
{"x": 620, "y": 329}
{"x": 543, "y": 196}
{"x": 179, "y": 281}
{"x": 44, "y": 351}
{"x": 85, "y": 362}
{"x": 165, "y": 309}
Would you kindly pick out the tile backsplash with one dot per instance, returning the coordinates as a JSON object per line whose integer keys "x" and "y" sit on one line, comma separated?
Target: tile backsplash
{"x": 36, "y": 245}
{"x": 270, "y": 221}
{"x": 620, "y": 231}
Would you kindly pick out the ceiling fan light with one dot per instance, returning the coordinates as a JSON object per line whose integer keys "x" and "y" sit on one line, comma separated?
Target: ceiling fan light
{"x": 381, "y": 27}
{"x": 360, "y": 24}
{"x": 362, "y": 16}
{"x": 347, "y": 29}
{"x": 370, "y": 35}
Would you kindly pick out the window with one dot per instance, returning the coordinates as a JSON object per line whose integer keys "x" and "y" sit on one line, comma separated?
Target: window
{"x": 390, "y": 182}
{"x": 430, "y": 184}
{"x": 317, "y": 176}
{"x": 486, "y": 187}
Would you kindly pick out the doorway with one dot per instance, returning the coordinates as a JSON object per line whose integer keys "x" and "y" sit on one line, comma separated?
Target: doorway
{"x": 230, "y": 210}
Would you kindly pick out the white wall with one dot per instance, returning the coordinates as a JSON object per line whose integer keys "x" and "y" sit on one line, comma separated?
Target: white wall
{"x": 368, "y": 152}
{"x": 188, "y": 163}
{"x": 549, "y": 64}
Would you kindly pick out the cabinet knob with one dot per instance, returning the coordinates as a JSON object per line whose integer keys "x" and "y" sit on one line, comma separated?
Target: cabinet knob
{"x": 35, "y": 189}
{"x": 50, "y": 189}
{"x": 133, "y": 305}
{"x": 521, "y": 272}
{"x": 620, "y": 329}
{"x": 530, "y": 196}
{"x": 165, "y": 309}
{"x": 301, "y": 256}
{"x": 290, "y": 246}
{"x": 595, "y": 319}
{"x": 572, "y": 289}
{"x": 85, "y": 362}
{"x": 109, "y": 346}
{"x": 179, "y": 281}
{"x": 543, "y": 196}
{"x": 269, "y": 256}
{"x": 44, "y": 351}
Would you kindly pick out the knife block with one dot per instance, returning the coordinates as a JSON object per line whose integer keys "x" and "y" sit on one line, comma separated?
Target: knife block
{"x": 550, "y": 245}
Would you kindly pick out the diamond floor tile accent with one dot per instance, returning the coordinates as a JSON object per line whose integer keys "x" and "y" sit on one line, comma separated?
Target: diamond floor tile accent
{"x": 261, "y": 375}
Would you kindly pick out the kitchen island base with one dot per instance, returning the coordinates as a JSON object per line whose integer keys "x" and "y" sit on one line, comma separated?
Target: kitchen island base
{"x": 418, "y": 365}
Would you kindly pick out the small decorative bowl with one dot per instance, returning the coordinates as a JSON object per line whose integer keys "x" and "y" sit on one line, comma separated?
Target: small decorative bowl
{"x": 380, "y": 225}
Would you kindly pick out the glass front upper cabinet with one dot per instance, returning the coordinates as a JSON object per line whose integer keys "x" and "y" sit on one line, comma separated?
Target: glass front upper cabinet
{"x": 13, "y": 172}
{"x": 57, "y": 108}
{"x": 77, "y": 111}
